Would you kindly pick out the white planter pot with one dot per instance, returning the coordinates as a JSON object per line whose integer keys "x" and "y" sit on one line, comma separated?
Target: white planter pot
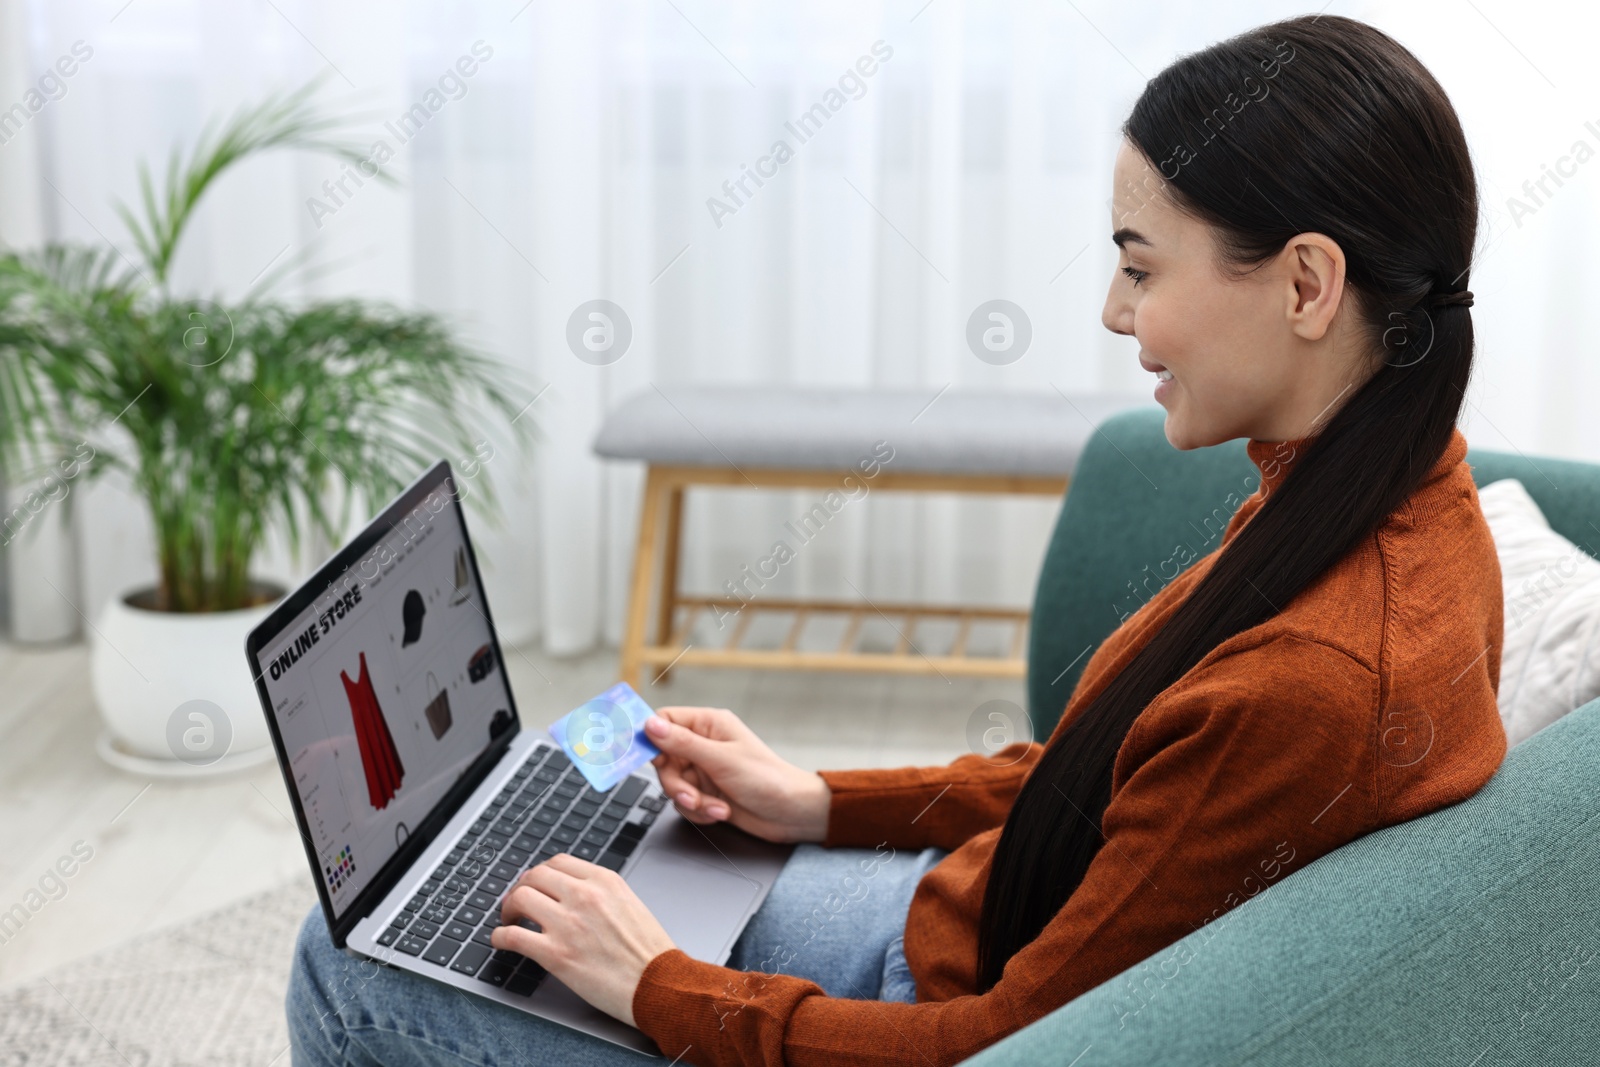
{"x": 174, "y": 688}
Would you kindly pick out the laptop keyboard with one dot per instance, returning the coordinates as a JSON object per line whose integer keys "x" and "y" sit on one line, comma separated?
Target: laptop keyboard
{"x": 545, "y": 809}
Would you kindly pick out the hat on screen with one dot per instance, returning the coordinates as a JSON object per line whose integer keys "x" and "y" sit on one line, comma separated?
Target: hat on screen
{"x": 411, "y": 613}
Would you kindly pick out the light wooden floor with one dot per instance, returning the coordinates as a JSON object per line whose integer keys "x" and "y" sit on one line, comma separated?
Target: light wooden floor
{"x": 166, "y": 852}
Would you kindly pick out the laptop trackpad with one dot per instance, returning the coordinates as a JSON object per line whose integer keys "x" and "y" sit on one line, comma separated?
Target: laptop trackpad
{"x": 701, "y": 907}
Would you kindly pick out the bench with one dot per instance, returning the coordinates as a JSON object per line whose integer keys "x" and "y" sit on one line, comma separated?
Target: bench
{"x": 845, "y": 441}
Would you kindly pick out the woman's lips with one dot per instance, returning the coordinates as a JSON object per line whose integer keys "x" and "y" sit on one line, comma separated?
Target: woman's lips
{"x": 1163, "y": 376}
{"x": 1155, "y": 368}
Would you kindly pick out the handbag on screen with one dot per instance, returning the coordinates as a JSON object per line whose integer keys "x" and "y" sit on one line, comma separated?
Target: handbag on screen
{"x": 438, "y": 709}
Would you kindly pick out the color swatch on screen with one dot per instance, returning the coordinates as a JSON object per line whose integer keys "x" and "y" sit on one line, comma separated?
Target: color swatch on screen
{"x": 340, "y": 868}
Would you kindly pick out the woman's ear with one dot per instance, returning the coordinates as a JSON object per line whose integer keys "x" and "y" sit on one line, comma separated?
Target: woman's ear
{"x": 1314, "y": 286}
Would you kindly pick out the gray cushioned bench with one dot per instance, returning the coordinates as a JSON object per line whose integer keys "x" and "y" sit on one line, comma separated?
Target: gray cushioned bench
{"x": 843, "y": 440}
{"x": 958, "y": 431}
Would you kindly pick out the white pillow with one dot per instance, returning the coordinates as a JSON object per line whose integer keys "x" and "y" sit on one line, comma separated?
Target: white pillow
{"x": 1550, "y": 662}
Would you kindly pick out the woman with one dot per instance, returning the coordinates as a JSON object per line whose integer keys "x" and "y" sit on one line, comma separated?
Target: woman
{"x": 1295, "y": 209}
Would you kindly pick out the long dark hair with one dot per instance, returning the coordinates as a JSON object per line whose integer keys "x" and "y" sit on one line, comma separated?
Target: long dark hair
{"x": 1351, "y": 138}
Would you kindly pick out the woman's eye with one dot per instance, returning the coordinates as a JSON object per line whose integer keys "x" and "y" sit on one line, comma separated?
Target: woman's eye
{"x": 1137, "y": 275}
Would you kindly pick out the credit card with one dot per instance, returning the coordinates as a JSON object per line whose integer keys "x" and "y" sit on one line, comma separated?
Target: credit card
{"x": 605, "y": 736}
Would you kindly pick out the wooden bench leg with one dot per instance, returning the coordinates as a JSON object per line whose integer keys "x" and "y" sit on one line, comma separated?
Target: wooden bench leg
{"x": 669, "y": 574}
{"x": 644, "y": 574}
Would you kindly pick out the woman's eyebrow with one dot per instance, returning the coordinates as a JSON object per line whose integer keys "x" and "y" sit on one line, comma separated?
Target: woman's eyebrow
{"x": 1122, "y": 237}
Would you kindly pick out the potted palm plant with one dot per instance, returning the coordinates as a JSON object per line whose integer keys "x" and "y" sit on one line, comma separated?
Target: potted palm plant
{"x": 230, "y": 419}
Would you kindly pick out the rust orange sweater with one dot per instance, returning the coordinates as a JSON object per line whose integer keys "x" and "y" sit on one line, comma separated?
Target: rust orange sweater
{"x": 1368, "y": 701}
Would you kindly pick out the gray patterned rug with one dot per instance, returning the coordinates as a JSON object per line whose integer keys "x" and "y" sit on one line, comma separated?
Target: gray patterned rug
{"x": 209, "y": 992}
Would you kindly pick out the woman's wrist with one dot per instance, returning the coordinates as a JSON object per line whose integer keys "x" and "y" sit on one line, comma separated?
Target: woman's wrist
{"x": 815, "y": 801}
{"x": 644, "y": 987}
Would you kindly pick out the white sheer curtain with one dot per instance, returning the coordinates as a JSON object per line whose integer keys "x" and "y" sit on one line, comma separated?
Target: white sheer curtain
{"x": 577, "y": 162}
{"x": 38, "y": 588}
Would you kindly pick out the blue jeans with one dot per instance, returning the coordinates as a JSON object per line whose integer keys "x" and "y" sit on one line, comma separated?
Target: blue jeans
{"x": 824, "y": 920}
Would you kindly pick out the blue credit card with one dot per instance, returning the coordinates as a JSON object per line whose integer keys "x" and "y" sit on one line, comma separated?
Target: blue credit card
{"x": 605, "y": 736}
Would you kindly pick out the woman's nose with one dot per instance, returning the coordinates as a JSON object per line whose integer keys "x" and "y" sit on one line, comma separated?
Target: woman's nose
{"x": 1117, "y": 315}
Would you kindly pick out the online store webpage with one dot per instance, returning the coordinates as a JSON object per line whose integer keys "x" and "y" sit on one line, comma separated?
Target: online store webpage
{"x": 385, "y": 692}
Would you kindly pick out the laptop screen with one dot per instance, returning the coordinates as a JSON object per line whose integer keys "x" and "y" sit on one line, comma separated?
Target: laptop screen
{"x": 385, "y": 690}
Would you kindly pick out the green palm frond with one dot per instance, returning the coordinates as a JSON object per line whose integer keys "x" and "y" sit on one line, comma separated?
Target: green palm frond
{"x": 285, "y": 120}
{"x": 235, "y": 419}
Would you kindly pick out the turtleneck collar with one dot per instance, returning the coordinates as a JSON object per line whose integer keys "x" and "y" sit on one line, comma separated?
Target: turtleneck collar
{"x": 1274, "y": 459}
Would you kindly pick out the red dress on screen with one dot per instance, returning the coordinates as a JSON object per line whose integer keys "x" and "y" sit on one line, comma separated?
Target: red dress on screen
{"x": 379, "y": 757}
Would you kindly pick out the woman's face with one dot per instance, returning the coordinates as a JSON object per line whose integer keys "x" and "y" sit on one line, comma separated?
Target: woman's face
{"x": 1263, "y": 355}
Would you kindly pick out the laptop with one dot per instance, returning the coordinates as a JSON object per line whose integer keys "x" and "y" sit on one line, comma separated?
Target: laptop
{"x": 420, "y": 797}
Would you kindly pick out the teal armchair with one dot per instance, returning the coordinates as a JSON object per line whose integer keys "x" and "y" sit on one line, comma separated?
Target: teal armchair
{"x": 1468, "y": 937}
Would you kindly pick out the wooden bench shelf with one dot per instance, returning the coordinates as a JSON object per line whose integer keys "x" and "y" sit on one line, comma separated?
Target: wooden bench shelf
{"x": 675, "y": 614}
{"x": 908, "y": 656}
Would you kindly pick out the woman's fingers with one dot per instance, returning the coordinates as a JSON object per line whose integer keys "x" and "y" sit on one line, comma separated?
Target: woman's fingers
{"x": 695, "y": 747}
{"x": 698, "y": 806}
{"x": 711, "y": 802}
{"x": 525, "y": 901}
{"x": 541, "y": 878}
{"x": 691, "y": 811}
{"x": 696, "y": 795}
{"x": 675, "y": 777}
{"x": 686, "y": 741}
{"x": 716, "y": 724}
{"x": 698, "y": 780}
{"x": 708, "y": 722}
{"x": 529, "y": 943}
{"x": 569, "y": 866}
{"x": 692, "y": 790}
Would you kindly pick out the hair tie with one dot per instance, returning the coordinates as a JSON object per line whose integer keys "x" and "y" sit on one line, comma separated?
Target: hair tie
{"x": 1461, "y": 297}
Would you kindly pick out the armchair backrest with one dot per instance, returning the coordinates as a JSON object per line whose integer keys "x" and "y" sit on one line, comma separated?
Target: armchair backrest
{"x": 1139, "y": 512}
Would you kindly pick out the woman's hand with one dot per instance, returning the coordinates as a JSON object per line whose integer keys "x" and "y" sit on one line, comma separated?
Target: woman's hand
{"x": 595, "y": 935}
{"x": 716, "y": 769}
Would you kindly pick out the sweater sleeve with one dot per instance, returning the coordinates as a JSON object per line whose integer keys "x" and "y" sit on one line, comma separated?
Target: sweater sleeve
{"x": 1249, "y": 768}
{"x": 915, "y": 807}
